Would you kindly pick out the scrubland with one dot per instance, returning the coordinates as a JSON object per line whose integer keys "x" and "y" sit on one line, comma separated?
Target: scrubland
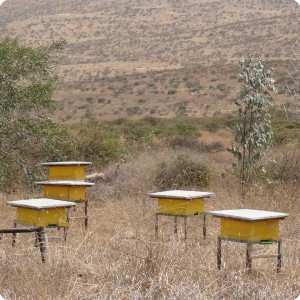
{"x": 166, "y": 58}
{"x": 125, "y": 60}
{"x": 118, "y": 256}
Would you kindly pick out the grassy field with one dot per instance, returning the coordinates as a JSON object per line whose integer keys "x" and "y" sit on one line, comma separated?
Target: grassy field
{"x": 118, "y": 257}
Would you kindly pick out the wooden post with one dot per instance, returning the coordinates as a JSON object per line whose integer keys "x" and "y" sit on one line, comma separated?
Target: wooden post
{"x": 156, "y": 225}
{"x": 248, "y": 257}
{"x": 14, "y": 236}
{"x": 41, "y": 242}
{"x": 65, "y": 233}
{"x": 185, "y": 226}
{"x": 279, "y": 259}
{"x": 67, "y": 227}
{"x": 175, "y": 224}
{"x": 86, "y": 214}
{"x": 40, "y": 234}
{"x": 204, "y": 226}
{"x": 219, "y": 252}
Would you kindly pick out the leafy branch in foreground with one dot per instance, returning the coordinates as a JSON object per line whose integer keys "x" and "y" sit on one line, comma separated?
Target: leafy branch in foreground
{"x": 28, "y": 79}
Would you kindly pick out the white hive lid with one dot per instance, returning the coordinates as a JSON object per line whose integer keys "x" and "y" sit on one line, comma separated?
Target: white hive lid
{"x": 248, "y": 214}
{"x": 66, "y": 182}
{"x": 179, "y": 194}
{"x": 66, "y": 163}
{"x": 41, "y": 203}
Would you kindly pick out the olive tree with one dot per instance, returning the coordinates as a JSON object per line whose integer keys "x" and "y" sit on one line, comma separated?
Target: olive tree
{"x": 253, "y": 131}
{"x": 28, "y": 78}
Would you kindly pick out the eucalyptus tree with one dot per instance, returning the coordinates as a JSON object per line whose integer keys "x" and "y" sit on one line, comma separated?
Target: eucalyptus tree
{"x": 253, "y": 131}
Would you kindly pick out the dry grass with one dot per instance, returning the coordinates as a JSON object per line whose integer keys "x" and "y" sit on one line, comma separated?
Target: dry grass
{"x": 119, "y": 258}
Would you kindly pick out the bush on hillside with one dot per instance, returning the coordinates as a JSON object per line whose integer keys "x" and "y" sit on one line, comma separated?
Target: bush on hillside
{"x": 286, "y": 169}
{"x": 183, "y": 173}
{"x": 101, "y": 147}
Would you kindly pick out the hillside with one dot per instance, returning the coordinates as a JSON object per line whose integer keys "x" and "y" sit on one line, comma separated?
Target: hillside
{"x": 134, "y": 58}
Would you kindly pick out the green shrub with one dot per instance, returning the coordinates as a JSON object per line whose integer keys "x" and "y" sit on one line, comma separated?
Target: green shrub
{"x": 181, "y": 126}
{"x": 182, "y": 109}
{"x": 222, "y": 87}
{"x": 184, "y": 142}
{"x": 287, "y": 169}
{"x": 284, "y": 170}
{"x": 172, "y": 91}
{"x": 134, "y": 110}
{"x": 183, "y": 173}
{"x": 285, "y": 130}
{"x": 101, "y": 146}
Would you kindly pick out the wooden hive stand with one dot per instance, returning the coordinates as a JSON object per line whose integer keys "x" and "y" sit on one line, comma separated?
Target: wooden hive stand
{"x": 250, "y": 227}
{"x": 41, "y": 238}
{"x": 67, "y": 182}
{"x": 41, "y": 213}
{"x": 179, "y": 203}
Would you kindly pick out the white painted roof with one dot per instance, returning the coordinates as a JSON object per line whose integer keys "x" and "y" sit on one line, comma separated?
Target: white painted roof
{"x": 248, "y": 214}
{"x": 179, "y": 194}
{"x": 41, "y": 203}
{"x": 66, "y": 163}
{"x": 66, "y": 182}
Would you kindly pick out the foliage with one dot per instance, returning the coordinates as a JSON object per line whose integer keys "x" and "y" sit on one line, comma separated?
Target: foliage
{"x": 27, "y": 81}
{"x": 184, "y": 142}
{"x": 172, "y": 91}
{"x": 108, "y": 142}
{"x": 101, "y": 145}
{"x": 253, "y": 131}
{"x": 292, "y": 83}
{"x": 287, "y": 169}
{"x": 284, "y": 169}
{"x": 183, "y": 173}
{"x": 285, "y": 130}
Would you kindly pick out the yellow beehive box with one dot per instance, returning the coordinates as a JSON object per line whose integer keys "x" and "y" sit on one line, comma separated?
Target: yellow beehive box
{"x": 71, "y": 190}
{"x": 178, "y": 202}
{"x": 66, "y": 170}
{"x": 42, "y": 212}
{"x": 181, "y": 207}
{"x": 249, "y": 225}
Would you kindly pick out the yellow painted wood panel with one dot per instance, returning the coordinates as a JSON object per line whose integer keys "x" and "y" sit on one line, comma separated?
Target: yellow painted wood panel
{"x": 250, "y": 231}
{"x": 181, "y": 207}
{"x": 66, "y": 172}
{"x": 48, "y": 217}
{"x": 65, "y": 192}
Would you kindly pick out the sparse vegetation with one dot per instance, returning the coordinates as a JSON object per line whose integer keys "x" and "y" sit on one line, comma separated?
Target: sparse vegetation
{"x": 159, "y": 62}
{"x": 148, "y": 95}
